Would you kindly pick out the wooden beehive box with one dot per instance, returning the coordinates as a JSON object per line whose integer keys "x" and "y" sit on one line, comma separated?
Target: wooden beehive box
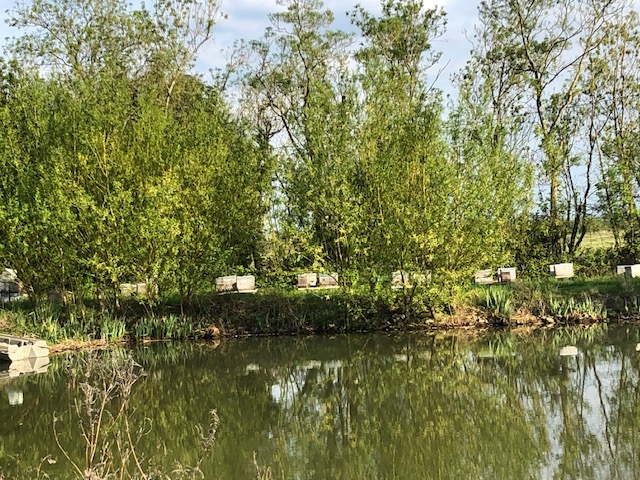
{"x": 561, "y": 270}
{"x": 246, "y": 284}
{"x": 631, "y": 271}
{"x": 226, "y": 284}
{"x": 400, "y": 279}
{"x": 328, "y": 280}
{"x": 307, "y": 280}
{"x": 142, "y": 289}
{"x": 128, "y": 289}
{"x": 507, "y": 274}
{"x": 484, "y": 277}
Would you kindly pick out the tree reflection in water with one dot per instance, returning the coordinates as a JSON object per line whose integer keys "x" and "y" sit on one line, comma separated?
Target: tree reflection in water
{"x": 370, "y": 406}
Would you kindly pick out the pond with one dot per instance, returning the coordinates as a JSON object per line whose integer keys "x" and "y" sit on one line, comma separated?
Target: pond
{"x": 408, "y": 406}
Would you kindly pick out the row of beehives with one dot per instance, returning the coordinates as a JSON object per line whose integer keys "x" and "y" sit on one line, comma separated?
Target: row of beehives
{"x": 227, "y": 284}
{"x": 557, "y": 270}
{"x": 317, "y": 280}
{"x": 565, "y": 270}
{"x": 236, "y": 284}
{"x": 504, "y": 275}
{"x": 10, "y": 286}
{"x": 508, "y": 274}
{"x": 400, "y": 279}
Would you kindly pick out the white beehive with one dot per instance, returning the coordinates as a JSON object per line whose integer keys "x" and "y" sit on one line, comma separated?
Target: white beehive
{"x": 401, "y": 279}
{"x": 561, "y": 270}
{"x": 484, "y": 277}
{"x": 246, "y": 284}
{"x": 631, "y": 271}
{"x": 307, "y": 280}
{"x": 226, "y": 284}
{"x": 507, "y": 274}
{"x": 328, "y": 280}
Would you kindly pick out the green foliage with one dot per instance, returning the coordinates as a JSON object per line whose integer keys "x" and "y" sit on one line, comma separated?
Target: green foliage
{"x": 112, "y": 328}
{"x": 121, "y": 165}
{"x": 530, "y": 242}
{"x": 499, "y": 302}
{"x": 163, "y": 327}
{"x": 595, "y": 262}
{"x": 576, "y": 309}
{"x": 109, "y": 173}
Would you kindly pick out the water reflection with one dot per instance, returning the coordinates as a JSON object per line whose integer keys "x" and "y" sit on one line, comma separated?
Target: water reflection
{"x": 11, "y": 370}
{"x": 375, "y": 406}
{"x": 16, "y": 396}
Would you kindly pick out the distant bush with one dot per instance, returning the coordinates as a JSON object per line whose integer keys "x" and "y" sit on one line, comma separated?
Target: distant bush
{"x": 596, "y": 262}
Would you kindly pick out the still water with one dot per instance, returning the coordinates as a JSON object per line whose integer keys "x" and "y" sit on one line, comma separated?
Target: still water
{"x": 410, "y": 406}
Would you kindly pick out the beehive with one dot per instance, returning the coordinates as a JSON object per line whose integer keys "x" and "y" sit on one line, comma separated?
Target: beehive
{"x": 484, "y": 277}
{"x": 245, "y": 283}
{"x": 630, "y": 271}
{"x": 328, "y": 280}
{"x": 561, "y": 270}
{"x": 507, "y": 274}
{"x": 307, "y": 280}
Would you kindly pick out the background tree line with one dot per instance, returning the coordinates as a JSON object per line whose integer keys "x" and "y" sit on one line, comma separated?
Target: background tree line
{"x": 319, "y": 149}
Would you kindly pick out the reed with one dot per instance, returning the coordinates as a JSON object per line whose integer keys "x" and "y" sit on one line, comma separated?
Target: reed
{"x": 499, "y": 302}
{"x": 113, "y": 328}
{"x": 575, "y": 308}
{"x": 164, "y": 327}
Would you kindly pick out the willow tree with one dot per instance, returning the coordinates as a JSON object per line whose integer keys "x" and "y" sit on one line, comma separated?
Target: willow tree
{"x": 82, "y": 39}
{"x": 299, "y": 82}
{"x": 613, "y": 76}
{"x": 33, "y": 234}
{"x": 547, "y": 45}
{"x": 494, "y": 175}
{"x": 401, "y": 174}
{"x": 436, "y": 194}
{"x": 133, "y": 167}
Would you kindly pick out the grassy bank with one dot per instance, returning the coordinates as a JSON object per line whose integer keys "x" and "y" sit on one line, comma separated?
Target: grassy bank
{"x": 281, "y": 311}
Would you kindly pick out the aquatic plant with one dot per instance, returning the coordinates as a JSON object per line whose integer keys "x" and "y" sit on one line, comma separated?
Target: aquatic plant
{"x": 631, "y": 306}
{"x": 105, "y": 416}
{"x": 164, "y": 327}
{"x": 499, "y": 302}
{"x": 112, "y": 328}
{"x": 571, "y": 307}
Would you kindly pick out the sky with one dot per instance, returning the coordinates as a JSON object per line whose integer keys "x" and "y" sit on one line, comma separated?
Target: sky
{"x": 247, "y": 19}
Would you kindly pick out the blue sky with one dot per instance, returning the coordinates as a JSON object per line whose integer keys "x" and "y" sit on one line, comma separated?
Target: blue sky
{"x": 247, "y": 19}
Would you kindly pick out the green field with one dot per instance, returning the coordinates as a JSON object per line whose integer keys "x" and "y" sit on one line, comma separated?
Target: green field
{"x": 600, "y": 239}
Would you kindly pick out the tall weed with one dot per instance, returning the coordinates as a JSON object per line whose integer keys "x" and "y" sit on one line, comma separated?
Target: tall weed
{"x": 499, "y": 302}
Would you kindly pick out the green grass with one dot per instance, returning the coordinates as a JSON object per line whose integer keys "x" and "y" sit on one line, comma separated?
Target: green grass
{"x": 593, "y": 286}
{"x": 600, "y": 239}
{"x": 576, "y": 299}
